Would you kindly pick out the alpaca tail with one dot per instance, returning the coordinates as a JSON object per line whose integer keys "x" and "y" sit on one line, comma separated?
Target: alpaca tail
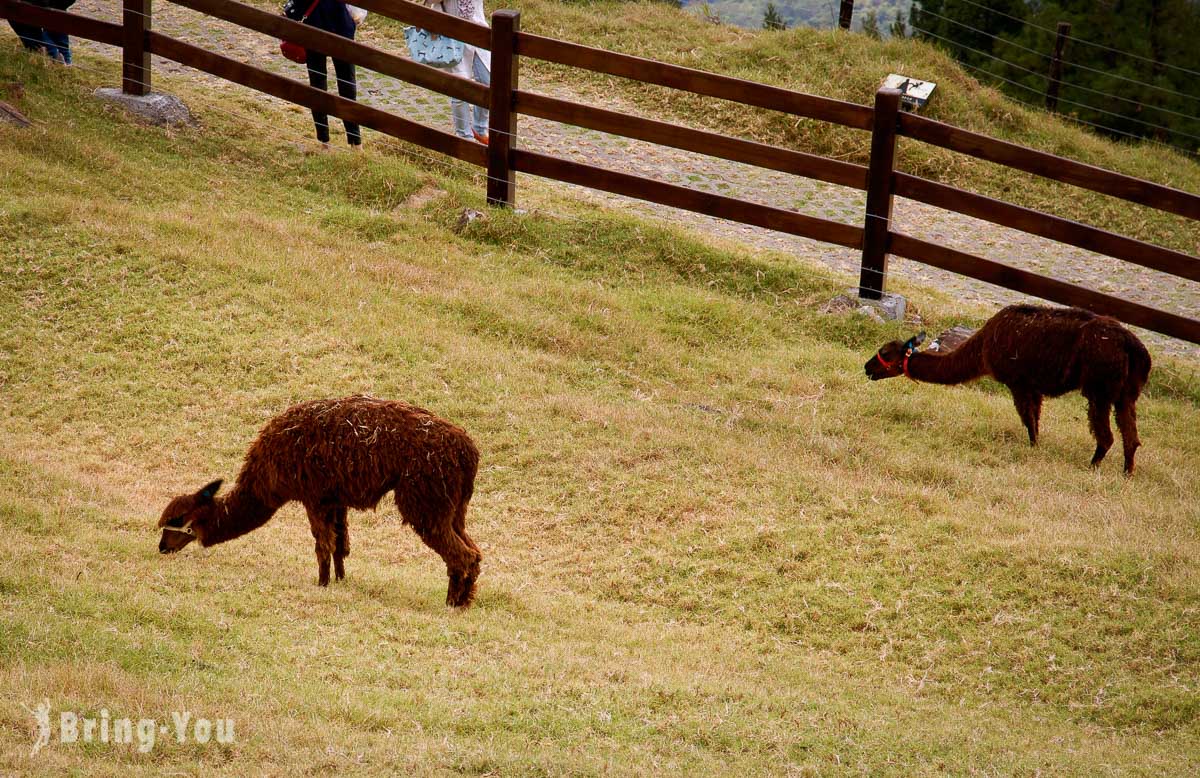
{"x": 1139, "y": 367}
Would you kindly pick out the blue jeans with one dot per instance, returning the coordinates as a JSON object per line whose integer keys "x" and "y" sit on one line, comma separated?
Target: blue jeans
{"x": 58, "y": 44}
{"x": 461, "y": 110}
{"x": 36, "y": 38}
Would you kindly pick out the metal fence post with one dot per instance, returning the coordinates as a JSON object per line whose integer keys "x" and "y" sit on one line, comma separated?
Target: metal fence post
{"x": 135, "y": 60}
{"x": 1060, "y": 43}
{"x": 502, "y": 120}
{"x": 871, "y": 282}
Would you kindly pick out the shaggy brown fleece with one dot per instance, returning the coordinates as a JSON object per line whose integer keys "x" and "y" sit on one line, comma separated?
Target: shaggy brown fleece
{"x": 1041, "y": 352}
{"x": 331, "y": 455}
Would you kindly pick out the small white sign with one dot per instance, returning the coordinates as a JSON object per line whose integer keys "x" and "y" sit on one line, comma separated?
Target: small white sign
{"x": 914, "y": 92}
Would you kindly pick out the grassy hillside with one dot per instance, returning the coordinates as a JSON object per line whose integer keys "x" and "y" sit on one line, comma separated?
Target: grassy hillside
{"x": 711, "y": 546}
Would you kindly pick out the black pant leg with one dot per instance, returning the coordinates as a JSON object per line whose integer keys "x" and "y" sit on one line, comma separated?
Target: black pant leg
{"x": 348, "y": 88}
{"x": 318, "y": 77}
{"x": 31, "y": 37}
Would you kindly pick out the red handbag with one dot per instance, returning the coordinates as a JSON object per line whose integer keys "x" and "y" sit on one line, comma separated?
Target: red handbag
{"x": 294, "y": 51}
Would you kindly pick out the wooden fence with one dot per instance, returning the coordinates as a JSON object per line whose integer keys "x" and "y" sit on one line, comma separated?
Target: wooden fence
{"x": 503, "y": 159}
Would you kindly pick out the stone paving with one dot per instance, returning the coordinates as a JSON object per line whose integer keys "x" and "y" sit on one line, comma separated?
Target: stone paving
{"x": 712, "y": 175}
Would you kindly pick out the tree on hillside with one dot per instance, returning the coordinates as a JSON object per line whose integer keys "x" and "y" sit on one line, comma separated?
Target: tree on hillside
{"x": 772, "y": 20}
{"x": 966, "y": 29}
{"x": 870, "y": 25}
{"x": 1128, "y": 66}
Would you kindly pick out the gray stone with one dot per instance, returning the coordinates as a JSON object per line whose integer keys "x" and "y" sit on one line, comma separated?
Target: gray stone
{"x": 871, "y": 312}
{"x": 156, "y": 107}
{"x": 951, "y": 339}
{"x": 891, "y": 307}
{"x": 466, "y": 218}
{"x": 840, "y": 304}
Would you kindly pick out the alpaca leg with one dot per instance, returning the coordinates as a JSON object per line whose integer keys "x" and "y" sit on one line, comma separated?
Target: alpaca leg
{"x": 322, "y": 533}
{"x": 460, "y": 528}
{"x": 341, "y": 541}
{"x": 1099, "y": 409}
{"x": 1029, "y": 408}
{"x": 460, "y": 559}
{"x": 1127, "y": 424}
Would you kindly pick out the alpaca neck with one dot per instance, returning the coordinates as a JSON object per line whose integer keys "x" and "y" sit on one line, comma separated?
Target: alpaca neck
{"x": 234, "y": 515}
{"x": 963, "y": 364}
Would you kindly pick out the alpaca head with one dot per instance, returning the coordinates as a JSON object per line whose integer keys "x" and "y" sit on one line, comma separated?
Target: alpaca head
{"x": 182, "y": 516}
{"x": 889, "y": 361}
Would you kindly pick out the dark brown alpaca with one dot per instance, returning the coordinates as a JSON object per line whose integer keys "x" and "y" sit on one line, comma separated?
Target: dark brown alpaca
{"x": 332, "y": 455}
{"x": 1041, "y": 352}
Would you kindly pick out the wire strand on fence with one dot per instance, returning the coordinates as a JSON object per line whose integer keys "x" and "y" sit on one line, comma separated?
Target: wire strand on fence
{"x": 1061, "y": 100}
{"x": 1080, "y": 40}
{"x": 1140, "y": 103}
{"x": 993, "y": 36}
{"x": 1106, "y": 73}
{"x": 1101, "y": 72}
{"x": 1077, "y": 120}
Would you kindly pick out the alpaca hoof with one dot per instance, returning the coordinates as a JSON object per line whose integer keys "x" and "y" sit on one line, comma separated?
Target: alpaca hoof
{"x": 461, "y": 592}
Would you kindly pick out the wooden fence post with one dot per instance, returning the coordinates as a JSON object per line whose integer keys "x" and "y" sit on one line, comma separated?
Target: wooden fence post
{"x": 879, "y": 195}
{"x": 135, "y": 60}
{"x": 502, "y": 120}
{"x": 846, "y": 14}
{"x": 1060, "y": 43}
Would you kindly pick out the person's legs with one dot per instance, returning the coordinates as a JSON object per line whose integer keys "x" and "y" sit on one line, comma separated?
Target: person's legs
{"x": 460, "y": 110}
{"x": 32, "y": 38}
{"x": 318, "y": 77}
{"x": 58, "y": 45}
{"x": 483, "y": 76}
{"x": 348, "y": 88}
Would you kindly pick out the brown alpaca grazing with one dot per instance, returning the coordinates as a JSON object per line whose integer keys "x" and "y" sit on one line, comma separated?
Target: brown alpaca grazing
{"x": 1041, "y": 352}
{"x": 331, "y": 455}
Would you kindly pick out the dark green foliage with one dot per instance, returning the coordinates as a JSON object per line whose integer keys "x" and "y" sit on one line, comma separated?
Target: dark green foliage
{"x": 772, "y": 20}
{"x": 1134, "y": 81}
{"x": 870, "y": 25}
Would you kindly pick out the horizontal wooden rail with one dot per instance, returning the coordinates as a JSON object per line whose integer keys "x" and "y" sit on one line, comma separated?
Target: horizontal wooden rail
{"x": 478, "y": 35}
{"x": 719, "y": 206}
{"x": 700, "y": 141}
{"x": 305, "y": 95}
{"x": 1046, "y": 288}
{"x": 698, "y": 82}
{"x": 61, "y": 21}
{"x": 1047, "y": 165}
{"x": 342, "y": 48}
{"x": 1054, "y": 227}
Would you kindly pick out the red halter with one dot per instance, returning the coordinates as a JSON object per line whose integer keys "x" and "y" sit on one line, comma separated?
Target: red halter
{"x": 904, "y": 365}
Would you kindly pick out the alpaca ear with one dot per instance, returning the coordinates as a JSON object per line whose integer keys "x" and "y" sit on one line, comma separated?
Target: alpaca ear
{"x": 207, "y": 493}
{"x": 915, "y": 341}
